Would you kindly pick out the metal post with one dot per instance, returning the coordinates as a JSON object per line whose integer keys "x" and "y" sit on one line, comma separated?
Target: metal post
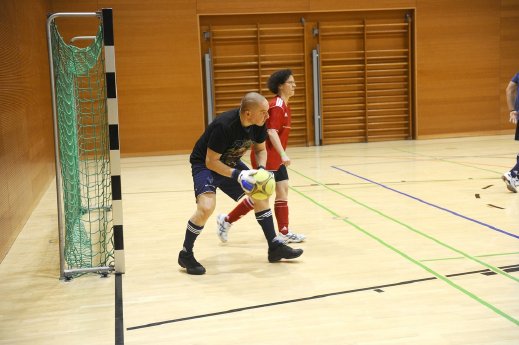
{"x": 208, "y": 86}
{"x": 82, "y": 38}
{"x": 317, "y": 98}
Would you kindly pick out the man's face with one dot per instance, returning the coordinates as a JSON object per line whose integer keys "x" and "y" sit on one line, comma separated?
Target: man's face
{"x": 260, "y": 114}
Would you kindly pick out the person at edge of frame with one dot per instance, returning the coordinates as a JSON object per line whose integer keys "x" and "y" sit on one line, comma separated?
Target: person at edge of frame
{"x": 511, "y": 177}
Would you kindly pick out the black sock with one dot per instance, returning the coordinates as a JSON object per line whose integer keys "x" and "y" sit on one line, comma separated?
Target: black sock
{"x": 515, "y": 169}
{"x": 192, "y": 232}
{"x": 266, "y": 221}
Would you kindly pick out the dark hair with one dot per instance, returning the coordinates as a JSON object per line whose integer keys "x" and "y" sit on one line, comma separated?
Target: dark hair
{"x": 278, "y": 78}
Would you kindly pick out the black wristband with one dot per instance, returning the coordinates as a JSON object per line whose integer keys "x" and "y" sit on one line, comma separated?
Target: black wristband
{"x": 235, "y": 173}
{"x": 261, "y": 167}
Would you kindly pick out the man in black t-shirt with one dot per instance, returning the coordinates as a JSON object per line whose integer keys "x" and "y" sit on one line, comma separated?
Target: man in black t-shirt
{"x": 215, "y": 163}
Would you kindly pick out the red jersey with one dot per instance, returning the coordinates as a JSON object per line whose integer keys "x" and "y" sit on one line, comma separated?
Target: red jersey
{"x": 279, "y": 119}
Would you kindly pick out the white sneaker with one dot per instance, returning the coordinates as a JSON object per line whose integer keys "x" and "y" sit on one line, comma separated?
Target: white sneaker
{"x": 512, "y": 183}
{"x": 292, "y": 237}
{"x": 222, "y": 227}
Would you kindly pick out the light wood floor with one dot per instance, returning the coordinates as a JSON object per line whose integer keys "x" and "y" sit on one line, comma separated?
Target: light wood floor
{"x": 409, "y": 242}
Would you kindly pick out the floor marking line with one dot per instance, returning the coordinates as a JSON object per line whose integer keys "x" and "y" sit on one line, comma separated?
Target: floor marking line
{"x": 428, "y": 203}
{"x": 330, "y": 294}
{"x": 119, "y": 315}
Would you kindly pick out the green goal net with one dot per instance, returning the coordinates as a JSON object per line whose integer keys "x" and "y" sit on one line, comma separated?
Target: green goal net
{"x": 84, "y": 152}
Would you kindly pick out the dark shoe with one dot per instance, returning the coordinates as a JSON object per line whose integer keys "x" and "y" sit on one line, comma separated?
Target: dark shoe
{"x": 188, "y": 261}
{"x": 283, "y": 252}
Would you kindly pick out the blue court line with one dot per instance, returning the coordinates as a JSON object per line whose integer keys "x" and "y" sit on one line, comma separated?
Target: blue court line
{"x": 430, "y": 204}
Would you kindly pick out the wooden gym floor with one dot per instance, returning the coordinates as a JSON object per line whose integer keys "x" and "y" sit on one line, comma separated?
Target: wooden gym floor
{"x": 409, "y": 242}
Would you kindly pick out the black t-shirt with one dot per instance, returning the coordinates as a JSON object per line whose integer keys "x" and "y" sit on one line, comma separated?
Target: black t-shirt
{"x": 227, "y": 136}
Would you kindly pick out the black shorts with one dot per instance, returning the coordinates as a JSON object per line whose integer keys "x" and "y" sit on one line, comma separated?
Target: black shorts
{"x": 517, "y": 131}
{"x": 281, "y": 174}
{"x": 206, "y": 181}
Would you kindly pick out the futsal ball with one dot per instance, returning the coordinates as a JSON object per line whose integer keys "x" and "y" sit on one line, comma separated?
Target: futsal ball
{"x": 264, "y": 186}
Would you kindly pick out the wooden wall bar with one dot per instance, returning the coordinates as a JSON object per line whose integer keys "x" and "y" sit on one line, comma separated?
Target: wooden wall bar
{"x": 466, "y": 52}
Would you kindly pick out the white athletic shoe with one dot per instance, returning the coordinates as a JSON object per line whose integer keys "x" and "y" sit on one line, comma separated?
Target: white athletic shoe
{"x": 512, "y": 183}
{"x": 292, "y": 237}
{"x": 222, "y": 227}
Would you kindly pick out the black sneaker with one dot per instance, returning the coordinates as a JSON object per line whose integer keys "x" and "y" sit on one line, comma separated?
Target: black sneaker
{"x": 188, "y": 261}
{"x": 283, "y": 252}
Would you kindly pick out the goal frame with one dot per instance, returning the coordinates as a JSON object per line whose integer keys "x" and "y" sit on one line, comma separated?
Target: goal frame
{"x": 106, "y": 18}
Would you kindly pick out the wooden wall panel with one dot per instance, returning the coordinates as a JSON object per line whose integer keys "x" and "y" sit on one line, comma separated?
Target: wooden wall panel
{"x": 159, "y": 78}
{"x": 7, "y": 233}
{"x": 71, "y": 27}
{"x": 244, "y": 57}
{"x": 509, "y": 51}
{"x": 462, "y": 64}
{"x": 245, "y": 7}
{"x": 26, "y": 144}
{"x": 350, "y": 5}
{"x": 273, "y": 6}
{"x": 458, "y": 89}
{"x": 160, "y": 66}
{"x": 365, "y": 69}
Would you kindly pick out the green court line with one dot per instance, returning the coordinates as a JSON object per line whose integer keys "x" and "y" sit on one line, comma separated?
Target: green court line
{"x": 492, "y": 268}
{"x": 462, "y": 257}
{"x": 416, "y": 262}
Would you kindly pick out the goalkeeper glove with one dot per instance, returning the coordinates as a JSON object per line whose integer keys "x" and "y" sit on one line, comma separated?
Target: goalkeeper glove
{"x": 245, "y": 179}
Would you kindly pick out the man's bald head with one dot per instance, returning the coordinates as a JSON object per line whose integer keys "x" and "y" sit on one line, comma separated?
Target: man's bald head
{"x": 254, "y": 109}
{"x": 251, "y": 101}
